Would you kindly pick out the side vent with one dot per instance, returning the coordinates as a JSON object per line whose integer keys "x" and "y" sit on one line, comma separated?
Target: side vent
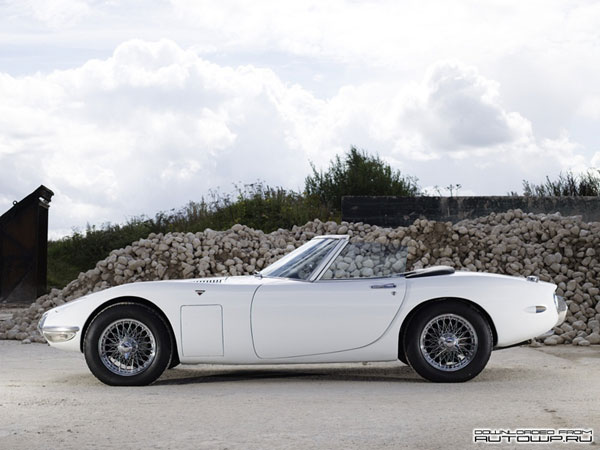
{"x": 210, "y": 280}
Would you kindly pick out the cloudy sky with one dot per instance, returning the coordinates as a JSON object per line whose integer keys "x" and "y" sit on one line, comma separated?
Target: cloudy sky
{"x": 130, "y": 107}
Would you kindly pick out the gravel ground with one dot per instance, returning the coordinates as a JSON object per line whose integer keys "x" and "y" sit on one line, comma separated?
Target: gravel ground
{"x": 49, "y": 399}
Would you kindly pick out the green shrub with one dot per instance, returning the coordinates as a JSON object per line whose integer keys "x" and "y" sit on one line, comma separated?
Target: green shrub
{"x": 358, "y": 173}
{"x": 568, "y": 185}
{"x": 255, "y": 205}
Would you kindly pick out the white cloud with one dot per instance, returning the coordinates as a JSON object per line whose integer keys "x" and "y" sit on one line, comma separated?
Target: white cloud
{"x": 52, "y": 13}
{"x": 407, "y": 35}
{"x": 590, "y": 107}
{"x": 461, "y": 110}
{"x": 147, "y": 129}
{"x": 454, "y": 112}
{"x": 156, "y": 125}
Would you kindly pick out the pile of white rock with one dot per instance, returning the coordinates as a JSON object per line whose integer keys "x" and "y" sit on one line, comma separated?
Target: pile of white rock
{"x": 563, "y": 250}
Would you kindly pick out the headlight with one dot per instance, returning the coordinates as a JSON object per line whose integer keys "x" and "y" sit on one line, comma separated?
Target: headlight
{"x": 59, "y": 334}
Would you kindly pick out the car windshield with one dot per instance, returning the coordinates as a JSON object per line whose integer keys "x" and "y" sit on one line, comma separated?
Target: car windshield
{"x": 302, "y": 262}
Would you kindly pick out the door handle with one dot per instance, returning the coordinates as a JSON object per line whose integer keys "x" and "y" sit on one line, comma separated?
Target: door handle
{"x": 383, "y": 286}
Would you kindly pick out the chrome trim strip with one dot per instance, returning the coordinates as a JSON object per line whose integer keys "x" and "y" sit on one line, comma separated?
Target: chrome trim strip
{"x": 60, "y": 329}
{"x": 59, "y": 334}
{"x": 383, "y": 286}
{"x": 41, "y": 322}
{"x": 561, "y": 309}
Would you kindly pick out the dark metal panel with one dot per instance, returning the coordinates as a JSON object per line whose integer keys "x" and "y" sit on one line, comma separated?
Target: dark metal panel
{"x": 402, "y": 211}
{"x": 24, "y": 248}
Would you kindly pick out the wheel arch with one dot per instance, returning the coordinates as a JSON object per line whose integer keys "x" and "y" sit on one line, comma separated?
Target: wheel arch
{"x": 425, "y": 304}
{"x": 139, "y": 301}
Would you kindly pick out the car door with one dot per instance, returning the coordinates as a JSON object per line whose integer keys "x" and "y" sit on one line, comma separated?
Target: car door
{"x": 299, "y": 318}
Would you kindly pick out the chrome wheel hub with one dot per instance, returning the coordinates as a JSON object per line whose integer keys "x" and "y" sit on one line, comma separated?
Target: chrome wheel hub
{"x": 448, "y": 342}
{"x": 127, "y": 347}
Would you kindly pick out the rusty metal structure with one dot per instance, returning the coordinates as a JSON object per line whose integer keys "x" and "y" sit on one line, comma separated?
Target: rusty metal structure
{"x": 24, "y": 248}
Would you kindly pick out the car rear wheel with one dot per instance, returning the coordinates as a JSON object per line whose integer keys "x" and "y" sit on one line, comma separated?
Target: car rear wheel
{"x": 448, "y": 342}
{"x": 127, "y": 344}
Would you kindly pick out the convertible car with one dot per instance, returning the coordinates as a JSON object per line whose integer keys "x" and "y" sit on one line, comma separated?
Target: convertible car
{"x": 331, "y": 300}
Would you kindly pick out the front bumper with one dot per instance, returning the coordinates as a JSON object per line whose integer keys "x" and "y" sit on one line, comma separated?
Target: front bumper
{"x": 57, "y": 333}
{"x": 561, "y": 309}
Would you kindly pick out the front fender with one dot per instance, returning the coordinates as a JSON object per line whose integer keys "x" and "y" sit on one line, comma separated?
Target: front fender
{"x": 77, "y": 312}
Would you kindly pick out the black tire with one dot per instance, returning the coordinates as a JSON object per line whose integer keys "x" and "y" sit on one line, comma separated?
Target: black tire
{"x": 401, "y": 353}
{"x": 174, "y": 359}
{"x": 448, "y": 342}
{"x": 127, "y": 344}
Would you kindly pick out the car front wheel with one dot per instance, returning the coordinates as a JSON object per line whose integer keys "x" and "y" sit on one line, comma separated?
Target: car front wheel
{"x": 448, "y": 342}
{"x": 127, "y": 344}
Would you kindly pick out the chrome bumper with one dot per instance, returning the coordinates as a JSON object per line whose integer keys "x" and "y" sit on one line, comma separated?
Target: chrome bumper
{"x": 41, "y": 323}
{"x": 56, "y": 334}
{"x": 561, "y": 309}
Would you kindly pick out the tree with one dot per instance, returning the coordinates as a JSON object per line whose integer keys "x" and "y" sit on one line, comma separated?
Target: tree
{"x": 358, "y": 173}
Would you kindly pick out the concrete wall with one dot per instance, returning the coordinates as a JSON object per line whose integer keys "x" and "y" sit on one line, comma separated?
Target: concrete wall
{"x": 402, "y": 211}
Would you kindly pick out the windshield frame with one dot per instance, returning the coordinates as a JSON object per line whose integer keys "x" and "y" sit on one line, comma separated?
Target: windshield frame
{"x": 321, "y": 267}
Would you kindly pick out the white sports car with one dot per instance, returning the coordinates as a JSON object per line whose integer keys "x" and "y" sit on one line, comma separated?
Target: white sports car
{"x": 331, "y": 300}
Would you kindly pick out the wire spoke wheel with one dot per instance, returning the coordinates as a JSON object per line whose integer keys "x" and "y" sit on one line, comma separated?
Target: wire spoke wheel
{"x": 127, "y": 347}
{"x": 448, "y": 342}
